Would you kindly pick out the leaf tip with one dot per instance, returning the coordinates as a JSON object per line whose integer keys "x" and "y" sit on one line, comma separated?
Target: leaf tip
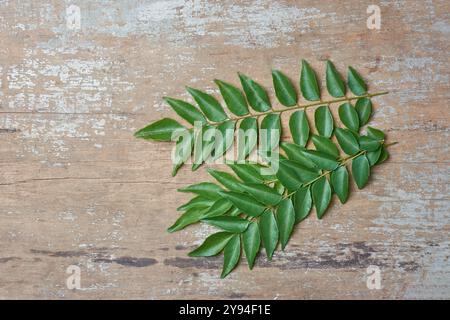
{"x": 168, "y": 100}
{"x": 352, "y": 70}
{"x": 175, "y": 171}
{"x": 241, "y": 75}
{"x": 138, "y": 134}
{"x": 329, "y": 63}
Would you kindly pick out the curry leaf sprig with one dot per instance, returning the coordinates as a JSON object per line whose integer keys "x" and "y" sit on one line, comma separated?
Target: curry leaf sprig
{"x": 261, "y": 115}
{"x": 252, "y": 209}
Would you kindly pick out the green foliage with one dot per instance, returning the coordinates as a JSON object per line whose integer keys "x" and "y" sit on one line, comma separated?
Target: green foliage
{"x": 234, "y": 114}
{"x": 259, "y": 212}
{"x": 254, "y": 209}
{"x": 251, "y": 239}
{"x": 308, "y": 83}
{"x": 335, "y": 85}
{"x": 284, "y": 89}
{"x": 269, "y": 232}
{"x": 324, "y": 121}
{"x": 299, "y": 126}
{"x": 349, "y": 116}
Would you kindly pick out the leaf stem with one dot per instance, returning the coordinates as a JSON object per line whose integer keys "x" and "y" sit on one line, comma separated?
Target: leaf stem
{"x": 390, "y": 144}
{"x": 302, "y": 106}
{"x": 343, "y": 162}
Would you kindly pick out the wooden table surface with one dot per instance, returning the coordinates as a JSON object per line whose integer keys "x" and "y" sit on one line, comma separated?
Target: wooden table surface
{"x": 77, "y": 189}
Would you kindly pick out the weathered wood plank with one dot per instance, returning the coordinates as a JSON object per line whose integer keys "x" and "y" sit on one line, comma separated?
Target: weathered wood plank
{"x": 77, "y": 189}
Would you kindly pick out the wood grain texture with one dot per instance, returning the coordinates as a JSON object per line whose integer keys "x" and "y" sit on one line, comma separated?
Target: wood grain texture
{"x": 77, "y": 189}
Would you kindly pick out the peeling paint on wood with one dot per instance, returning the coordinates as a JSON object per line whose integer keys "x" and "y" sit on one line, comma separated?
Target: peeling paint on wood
{"x": 77, "y": 189}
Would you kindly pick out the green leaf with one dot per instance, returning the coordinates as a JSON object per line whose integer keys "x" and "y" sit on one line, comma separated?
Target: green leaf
{"x": 285, "y": 220}
{"x": 247, "y": 172}
{"x": 205, "y": 189}
{"x": 302, "y": 203}
{"x": 218, "y": 208}
{"x": 288, "y": 178}
{"x": 246, "y": 204}
{"x": 347, "y": 141}
{"x": 321, "y": 193}
{"x": 204, "y": 144}
{"x": 324, "y": 121}
{"x": 256, "y": 95}
{"x": 373, "y": 156}
{"x": 299, "y": 127}
{"x": 270, "y": 132}
{"x": 262, "y": 193}
{"x": 212, "y": 245}
{"x": 191, "y": 216}
{"x": 339, "y": 182}
{"x": 161, "y": 130}
{"x": 231, "y": 255}
{"x": 247, "y": 137}
{"x": 322, "y": 160}
{"x": 364, "y": 109}
{"x": 308, "y": 83}
{"x": 383, "y": 156}
{"x": 183, "y": 149}
{"x": 356, "y": 83}
{"x": 231, "y": 224}
{"x": 251, "y": 239}
{"x": 233, "y": 98}
{"x": 349, "y": 116}
{"x": 186, "y": 110}
{"x": 269, "y": 232}
{"x": 294, "y": 152}
{"x": 335, "y": 85}
{"x": 300, "y": 172}
{"x": 284, "y": 90}
{"x": 368, "y": 144}
{"x": 226, "y": 179}
{"x": 196, "y": 202}
{"x": 224, "y": 137}
{"x": 325, "y": 145}
{"x": 208, "y": 104}
{"x": 361, "y": 171}
{"x": 375, "y": 134}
